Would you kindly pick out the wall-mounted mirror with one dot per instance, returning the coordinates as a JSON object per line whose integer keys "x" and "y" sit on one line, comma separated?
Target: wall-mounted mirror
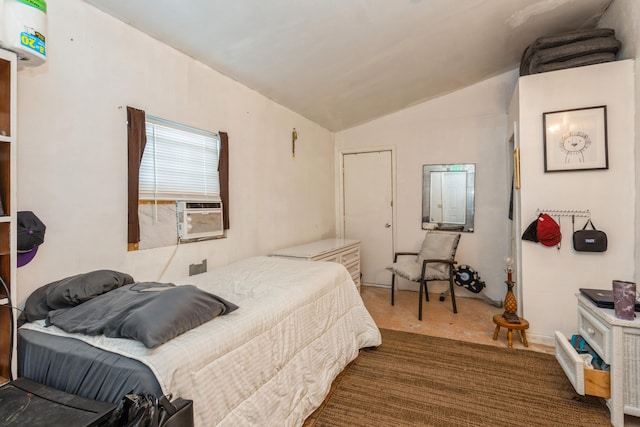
{"x": 448, "y": 195}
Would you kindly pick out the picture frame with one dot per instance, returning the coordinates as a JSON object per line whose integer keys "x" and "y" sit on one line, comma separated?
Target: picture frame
{"x": 575, "y": 139}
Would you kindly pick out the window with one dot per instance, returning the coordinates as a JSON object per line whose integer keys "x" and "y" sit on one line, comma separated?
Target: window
{"x": 179, "y": 163}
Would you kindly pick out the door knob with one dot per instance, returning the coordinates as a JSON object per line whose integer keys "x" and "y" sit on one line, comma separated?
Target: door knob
{"x": 387, "y": 225}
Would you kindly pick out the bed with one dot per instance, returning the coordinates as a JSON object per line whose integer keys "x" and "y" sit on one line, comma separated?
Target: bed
{"x": 270, "y": 362}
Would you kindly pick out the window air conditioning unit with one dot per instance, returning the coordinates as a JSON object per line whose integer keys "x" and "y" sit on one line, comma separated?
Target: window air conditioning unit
{"x": 197, "y": 220}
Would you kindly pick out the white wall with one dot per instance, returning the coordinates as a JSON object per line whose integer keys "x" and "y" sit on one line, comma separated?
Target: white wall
{"x": 72, "y": 152}
{"x": 467, "y": 126}
{"x": 624, "y": 17}
{"x": 552, "y": 277}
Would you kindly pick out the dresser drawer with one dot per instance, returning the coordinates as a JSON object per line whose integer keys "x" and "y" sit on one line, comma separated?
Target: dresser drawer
{"x": 350, "y": 256}
{"x": 329, "y": 258}
{"x": 356, "y": 280}
{"x": 596, "y": 333}
{"x": 585, "y": 380}
{"x": 353, "y": 269}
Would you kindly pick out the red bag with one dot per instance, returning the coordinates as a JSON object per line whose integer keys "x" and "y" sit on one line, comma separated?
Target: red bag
{"x": 548, "y": 230}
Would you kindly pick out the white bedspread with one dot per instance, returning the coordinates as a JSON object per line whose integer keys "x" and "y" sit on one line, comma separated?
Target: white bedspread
{"x": 272, "y": 361}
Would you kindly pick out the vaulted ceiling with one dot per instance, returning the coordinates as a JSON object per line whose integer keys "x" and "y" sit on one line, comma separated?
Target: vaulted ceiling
{"x": 345, "y": 62}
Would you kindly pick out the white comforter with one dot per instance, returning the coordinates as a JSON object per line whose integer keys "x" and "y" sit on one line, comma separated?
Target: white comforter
{"x": 272, "y": 361}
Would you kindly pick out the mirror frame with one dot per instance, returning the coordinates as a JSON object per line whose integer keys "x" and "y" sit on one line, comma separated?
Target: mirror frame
{"x": 470, "y": 169}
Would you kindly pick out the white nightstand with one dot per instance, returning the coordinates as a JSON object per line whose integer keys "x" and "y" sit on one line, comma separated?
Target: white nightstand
{"x": 617, "y": 342}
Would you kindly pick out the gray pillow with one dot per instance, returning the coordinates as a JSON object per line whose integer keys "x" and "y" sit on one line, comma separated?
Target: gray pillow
{"x": 437, "y": 245}
{"x": 70, "y": 292}
{"x": 152, "y": 313}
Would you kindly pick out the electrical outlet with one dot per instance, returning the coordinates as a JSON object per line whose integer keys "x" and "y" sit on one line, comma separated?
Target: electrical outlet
{"x": 198, "y": 268}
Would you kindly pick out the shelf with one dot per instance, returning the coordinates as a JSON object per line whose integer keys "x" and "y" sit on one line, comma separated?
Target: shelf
{"x": 8, "y": 127}
{"x": 5, "y": 242}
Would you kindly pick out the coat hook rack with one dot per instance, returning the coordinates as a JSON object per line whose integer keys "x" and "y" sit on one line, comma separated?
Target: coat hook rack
{"x": 565, "y": 212}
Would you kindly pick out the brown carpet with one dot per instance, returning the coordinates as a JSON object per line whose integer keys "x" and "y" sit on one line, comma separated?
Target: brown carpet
{"x": 417, "y": 380}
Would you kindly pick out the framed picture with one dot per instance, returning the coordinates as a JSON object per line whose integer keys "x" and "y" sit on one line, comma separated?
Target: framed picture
{"x": 575, "y": 139}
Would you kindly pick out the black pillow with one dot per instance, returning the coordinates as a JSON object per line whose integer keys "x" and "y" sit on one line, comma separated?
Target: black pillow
{"x": 70, "y": 292}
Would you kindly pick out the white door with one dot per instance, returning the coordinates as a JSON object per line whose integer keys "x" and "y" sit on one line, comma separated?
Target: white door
{"x": 454, "y": 197}
{"x": 368, "y": 211}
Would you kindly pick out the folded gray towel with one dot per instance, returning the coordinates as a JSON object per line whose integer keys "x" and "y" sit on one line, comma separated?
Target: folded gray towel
{"x": 574, "y": 50}
{"x": 596, "y": 58}
{"x": 570, "y": 37}
{"x": 563, "y": 47}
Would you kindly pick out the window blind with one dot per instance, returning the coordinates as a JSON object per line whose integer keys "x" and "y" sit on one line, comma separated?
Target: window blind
{"x": 179, "y": 162}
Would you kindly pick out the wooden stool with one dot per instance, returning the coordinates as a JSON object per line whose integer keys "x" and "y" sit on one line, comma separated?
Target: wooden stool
{"x": 522, "y": 326}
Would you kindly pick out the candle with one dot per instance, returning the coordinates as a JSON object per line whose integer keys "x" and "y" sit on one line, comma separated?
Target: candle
{"x": 509, "y": 270}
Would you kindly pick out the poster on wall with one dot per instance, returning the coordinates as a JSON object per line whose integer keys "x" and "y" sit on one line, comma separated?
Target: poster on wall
{"x": 575, "y": 139}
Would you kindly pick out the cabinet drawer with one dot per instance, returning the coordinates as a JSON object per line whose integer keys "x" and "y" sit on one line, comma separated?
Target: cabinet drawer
{"x": 350, "y": 255}
{"x": 356, "y": 280}
{"x": 329, "y": 258}
{"x": 353, "y": 269}
{"x": 593, "y": 382}
{"x": 595, "y": 333}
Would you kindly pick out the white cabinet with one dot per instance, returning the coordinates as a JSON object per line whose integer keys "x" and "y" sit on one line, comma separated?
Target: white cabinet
{"x": 343, "y": 251}
{"x": 617, "y": 342}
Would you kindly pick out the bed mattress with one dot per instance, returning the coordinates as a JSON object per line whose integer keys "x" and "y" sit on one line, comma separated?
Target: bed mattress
{"x": 272, "y": 361}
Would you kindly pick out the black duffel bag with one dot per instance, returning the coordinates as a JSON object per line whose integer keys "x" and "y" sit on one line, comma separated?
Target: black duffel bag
{"x": 145, "y": 410}
{"x": 589, "y": 240}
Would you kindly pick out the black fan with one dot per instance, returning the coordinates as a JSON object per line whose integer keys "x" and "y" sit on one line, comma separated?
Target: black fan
{"x": 469, "y": 278}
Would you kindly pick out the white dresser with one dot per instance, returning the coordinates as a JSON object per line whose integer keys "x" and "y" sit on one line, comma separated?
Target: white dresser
{"x": 617, "y": 342}
{"x": 343, "y": 251}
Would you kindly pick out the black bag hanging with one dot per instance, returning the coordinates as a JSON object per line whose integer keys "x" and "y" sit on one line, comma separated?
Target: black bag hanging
{"x": 531, "y": 232}
{"x": 593, "y": 240}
